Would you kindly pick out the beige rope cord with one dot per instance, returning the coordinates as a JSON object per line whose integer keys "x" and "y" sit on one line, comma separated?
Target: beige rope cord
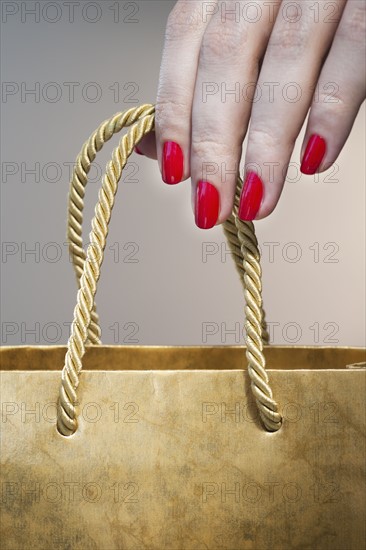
{"x": 85, "y": 325}
{"x": 231, "y": 233}
{"x": 77, "y": 192}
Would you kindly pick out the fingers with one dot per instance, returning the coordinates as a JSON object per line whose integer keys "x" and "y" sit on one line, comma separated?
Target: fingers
{"x": 227, "y": 69}
{"x": 184, "y": 31}
{"x": 340, "y": 92}
{"x": 290, "y": 69}
{"x": 206, "y": 88}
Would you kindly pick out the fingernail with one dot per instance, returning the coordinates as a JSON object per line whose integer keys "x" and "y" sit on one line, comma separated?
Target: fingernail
{"x": 314, "y": 154}
{"x": 250, "y": 197}
{"x": 137, "y": 150}
{"x": 172, "y": 165}
{"x": 207, "y": 205}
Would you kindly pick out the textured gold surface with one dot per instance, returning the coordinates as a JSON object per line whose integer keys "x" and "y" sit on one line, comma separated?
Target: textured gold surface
{"x": 46, "y": 358}
{"x": 177, "y": 459}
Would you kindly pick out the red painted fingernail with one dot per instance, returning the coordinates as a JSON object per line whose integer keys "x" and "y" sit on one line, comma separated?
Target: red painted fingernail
{"x": 172, "y": 163}
{"x": 314, "y": 154}
{"x": 207, "y": 205}
{"x": 250, "y": 197}
{"x": 137, "y": 150}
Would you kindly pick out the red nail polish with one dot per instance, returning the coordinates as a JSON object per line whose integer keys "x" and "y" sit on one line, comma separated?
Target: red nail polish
{"x": 207, "y": 205}
{"x": 314, "y": 154}
{"x": 250, "y": 197}
{"x": 137, "y": 150}
{"x": 172, "y": 165}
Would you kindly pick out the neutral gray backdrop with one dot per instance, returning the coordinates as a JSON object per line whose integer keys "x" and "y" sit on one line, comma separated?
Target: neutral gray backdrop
{"x": 161, "y": 287}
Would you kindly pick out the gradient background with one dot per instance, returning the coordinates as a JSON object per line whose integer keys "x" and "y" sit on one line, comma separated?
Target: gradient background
{"x": 169, "y": 295}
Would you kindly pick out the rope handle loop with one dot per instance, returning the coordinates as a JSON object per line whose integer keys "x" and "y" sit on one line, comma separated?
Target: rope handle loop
{"x": 85, "y": 326}
{"x": 79, "y": 180}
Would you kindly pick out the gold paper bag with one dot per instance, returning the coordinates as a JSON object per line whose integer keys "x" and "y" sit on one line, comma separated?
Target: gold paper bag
{"x": 178, "y": 448}
{"x": 170, "y": 453}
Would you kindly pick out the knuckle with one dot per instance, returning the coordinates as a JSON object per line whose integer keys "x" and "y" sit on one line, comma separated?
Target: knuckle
{"x": 261, "y": 137}
{"x": 326, "y": 112}
{"x": 184, "y": 20}
{"x": 289, "y": 41}
{"x": 222, "y": 41}
{"x": 208, "y": 146}
{"x": 169, "y": 110}
{"x": 353, "y": 25}
{"x": 329, "y": 100}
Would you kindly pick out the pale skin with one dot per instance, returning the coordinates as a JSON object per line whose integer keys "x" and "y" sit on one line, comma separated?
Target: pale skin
{"x": 282, "y": 61}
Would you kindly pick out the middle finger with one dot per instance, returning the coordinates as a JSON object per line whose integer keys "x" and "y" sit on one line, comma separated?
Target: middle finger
{"x": 232, "y": 45}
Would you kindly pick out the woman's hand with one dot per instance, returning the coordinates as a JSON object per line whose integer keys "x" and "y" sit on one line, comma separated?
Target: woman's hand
{"x": 267, "y": 61}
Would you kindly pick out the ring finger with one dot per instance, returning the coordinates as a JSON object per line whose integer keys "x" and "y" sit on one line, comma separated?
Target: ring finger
{"x": 296, "y": 50}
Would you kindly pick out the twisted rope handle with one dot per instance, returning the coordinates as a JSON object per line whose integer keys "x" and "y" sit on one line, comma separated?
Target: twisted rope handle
{"x": 85, "y": 325}
{"x": 78, "y": 182}
{"x": 244, "y": 246}
{"x": 231, "y": 233}
{"x": 66, "y": 420}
